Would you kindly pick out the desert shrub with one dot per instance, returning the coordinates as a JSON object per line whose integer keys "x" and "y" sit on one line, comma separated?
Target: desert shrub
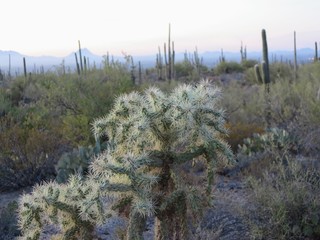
{"x": 262, "y": 150}
{"x": 78, "y": 101}
{"x": 239, "y": 131}
{"x": 249, "y": 63}
{"x": 250, "y": 76}
{"x": 16, "y": 91}
{"x": 5, "y": 102}
{"x": 244, "y": 104}
{"x": 228, "y": 67}
{"x": 8, "y": 222}
{"x": 27, "y": 156}
{"x": 183, "y": 69}
{"x": 295, "y": 106}
{"x": 281, "y": 71}
{"x": 288, "y": 202}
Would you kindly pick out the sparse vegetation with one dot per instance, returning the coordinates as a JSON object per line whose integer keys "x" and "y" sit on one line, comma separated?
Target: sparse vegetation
{"x": 161, "y": 145}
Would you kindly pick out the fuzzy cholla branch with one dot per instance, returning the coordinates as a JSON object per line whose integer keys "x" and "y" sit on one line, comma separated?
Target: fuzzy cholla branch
{"x": 73, "y": 208}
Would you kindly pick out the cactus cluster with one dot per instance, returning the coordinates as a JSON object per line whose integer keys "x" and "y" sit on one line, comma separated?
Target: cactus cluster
{"x": 274, "y": 138}
{"x": 243, "y": 52}
{"x": 169, "y": 60}
{"x": 83, "y": 67}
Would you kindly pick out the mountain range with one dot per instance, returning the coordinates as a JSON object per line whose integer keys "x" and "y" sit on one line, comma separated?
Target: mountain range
{"x": 210, "y": 58}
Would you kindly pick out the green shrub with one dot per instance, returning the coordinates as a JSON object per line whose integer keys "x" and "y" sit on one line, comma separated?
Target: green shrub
{"x": 183, "y": 69}
{"x": 228, "y": 67}
{"x": 5, "y": 102}
{"x": 247, "y": 64}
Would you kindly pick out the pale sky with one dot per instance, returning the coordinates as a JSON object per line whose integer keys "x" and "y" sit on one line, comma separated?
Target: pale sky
{"x": 138, "y": 27}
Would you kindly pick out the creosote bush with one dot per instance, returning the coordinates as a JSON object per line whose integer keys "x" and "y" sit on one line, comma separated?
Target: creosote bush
{"x": 151, "y": 135}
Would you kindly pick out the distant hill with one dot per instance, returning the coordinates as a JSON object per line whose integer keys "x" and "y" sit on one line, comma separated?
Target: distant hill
{"x": 210, "y": 58}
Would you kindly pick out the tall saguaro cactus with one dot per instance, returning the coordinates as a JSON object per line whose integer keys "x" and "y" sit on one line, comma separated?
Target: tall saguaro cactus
{"x": 169, "y": 55}
{"x": 265, "y": 76}
{"x": 24, "y": 67}
{"x": 80, "y": 56}
{"x": 265, "y": 69}
{"x": 159, "y": 64}
{"x": 316, "y": 58}
{"x": 77, "y": 64}
{"x": 295, "y": 55}
{"x": 243, "y": 52}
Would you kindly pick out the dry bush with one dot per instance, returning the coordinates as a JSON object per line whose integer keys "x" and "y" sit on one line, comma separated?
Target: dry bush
{"x": 27, "y": 156}
{"x": 288, "y": 202}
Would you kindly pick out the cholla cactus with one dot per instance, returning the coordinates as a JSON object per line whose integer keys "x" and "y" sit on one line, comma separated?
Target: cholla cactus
{"x": 73, "y": 209}
{"x": 153, "y": 134}
{"x": 150, "y": 136}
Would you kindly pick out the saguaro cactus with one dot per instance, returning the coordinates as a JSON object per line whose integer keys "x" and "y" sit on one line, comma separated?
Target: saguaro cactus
{"x": 77, "y": 64}
{"x": 159, "y": 64}
{"x": 295, "y": 55}
{"x": 80, "y": 56}
{"x": 24, "y": 67}
{"x": 315, "y": 52}
{"x": 265, "y": 76}
{"x": 243, "y": 52}
{"x": 169, "y": 55}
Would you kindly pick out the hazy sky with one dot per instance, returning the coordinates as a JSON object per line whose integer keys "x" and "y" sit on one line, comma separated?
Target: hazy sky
{"x": 138, "y": 27}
